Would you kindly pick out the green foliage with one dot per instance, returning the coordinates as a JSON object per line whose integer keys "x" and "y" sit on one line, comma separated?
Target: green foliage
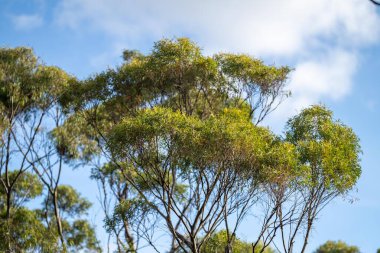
{"x": 81, "y": 236}
{"x": 169, "y": 119}
{"x": 27, "y": 233}
{"x": 328, "y": 150}
{"x": 28, "y": 187}
{"x": 217, "y": 242}
{"x": 70, "y": 202}
{"x": 177, "y": 133}
{"x": 27, "y": 83}
{"x": 75, "y": 140}
{"x": 24, "y": 231}
{"x": 190, "y": 141}
{"x": 29, "y": 96}
{"x": 78, "y": 233}
{"x": 176, "y": 74}
{"x": 28, "y": 229}
{"x": 251, "y": 71}
{"x": 337, "y": 247}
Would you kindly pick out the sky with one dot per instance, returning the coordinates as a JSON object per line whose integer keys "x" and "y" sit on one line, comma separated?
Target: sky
{"x": 332, "y": 45}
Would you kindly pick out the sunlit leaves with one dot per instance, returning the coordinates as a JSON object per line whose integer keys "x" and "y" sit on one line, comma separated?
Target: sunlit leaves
{"x": 28, "y": 187}
{"x": 70, "y": 203}
{"x": 328, "y": 150}
{"x": 337, "y": 247}
{"x": 177, "y": 134}
{"x": 216, "y": 243}
{"x": 228, "y": 136}
{"x": 25, "y": 83}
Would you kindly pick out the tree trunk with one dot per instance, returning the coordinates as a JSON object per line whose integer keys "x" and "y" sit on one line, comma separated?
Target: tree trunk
{"x": 8, "y": 216}
{"x": 309, "y": 225}
{"x": 58, "y": 219}
{"x": 228, "y": 248}
{"x": 128, "y": 237}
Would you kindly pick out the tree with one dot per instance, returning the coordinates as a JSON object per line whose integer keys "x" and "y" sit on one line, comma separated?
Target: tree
{"x": 153, "y": 115}
{"x": 337, "y": 247}
{"x": 327, "y": 166}
{"x": 77, "y": 233}
{"x": 176, "y": 142}
{"x": 215, "y": 244}
{"x": 24, "y": 230}
{"x": 329, "y": 157}
{"x": 29, "y": 95}
{"x": 193, "y": 168}
{"x": 28, "y": 89}
{"x": 32, "y": 230}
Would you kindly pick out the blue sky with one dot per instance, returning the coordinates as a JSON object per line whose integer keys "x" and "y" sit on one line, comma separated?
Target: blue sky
{"x": 333, "y": 45}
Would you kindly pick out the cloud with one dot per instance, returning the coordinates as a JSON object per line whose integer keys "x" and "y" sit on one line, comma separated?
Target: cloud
{"x": 27, "y": 22}
{"x": 330, "y": 77}
{"x": 272, "y": 27}
{"x": 320, "y": 38}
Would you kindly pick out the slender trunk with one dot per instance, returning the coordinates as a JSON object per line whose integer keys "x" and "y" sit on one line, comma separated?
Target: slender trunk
{"x": 228, "y": 248}
{"x": 128, "y": 237}
{"x": 8, "y": 219}
{"x": 8, "y": 185}
{"x": 194, "y": 248}
{"x": 58, "y": 219}
{"x": 230, "y": 241}
{"x": 8, "y": 208}
{"x": 309, "y": 225}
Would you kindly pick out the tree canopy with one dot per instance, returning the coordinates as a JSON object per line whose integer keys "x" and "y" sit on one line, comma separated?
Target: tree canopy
{"x": 177, "y": 146}
{"x": 30, "y": 166}
{"x": 337, "y": 247}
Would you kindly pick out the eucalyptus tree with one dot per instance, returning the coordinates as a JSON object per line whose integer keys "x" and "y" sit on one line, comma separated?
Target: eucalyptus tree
{"x": 327, "y": 166}
{"x": 27, "y": 230}
{"x": 28, "y": 90}
{"x": 178, "y": 145}
{"x": 191, "y": 167}
{"x": 337, "y": 247}
{"x": 29, "y": 111}
{"x": 176, "y": 86}
{"x": 32, "y": 230}
{"x": 78, "y": 234}
{"x": 329, "y": 157}
{"x": 217, "y": 240}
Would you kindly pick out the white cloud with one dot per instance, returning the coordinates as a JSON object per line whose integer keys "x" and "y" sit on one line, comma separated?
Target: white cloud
{"x": 272, "y": 27}
{"x": 27, "y": 22}
{"x": 328, "y": 77}
{"x": 321, "y": 38}
{"x": 313, "y": 81}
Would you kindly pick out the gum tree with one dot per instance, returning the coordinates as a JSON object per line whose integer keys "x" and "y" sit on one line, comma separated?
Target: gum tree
{"x": 29, "y": 110}
{"x": 28, "y": 91}
{"x": 329, "y": 165}
{"x": 176, "y": 143}
{"x": 177, "y": 82}
{"x": 194, "y": 169}
{"x": 34, "y": 230}
{"x": 337, "y": 247}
